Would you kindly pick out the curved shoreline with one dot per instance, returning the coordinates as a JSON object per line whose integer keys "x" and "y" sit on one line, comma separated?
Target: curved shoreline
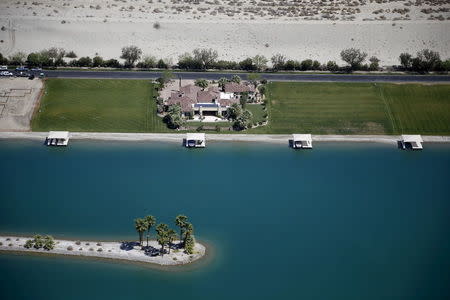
{"x": 110, "y": 251}
{"x": 178, "y": 137}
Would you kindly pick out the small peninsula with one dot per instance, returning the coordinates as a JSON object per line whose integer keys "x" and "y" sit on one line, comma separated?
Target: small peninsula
{"x": 164, "y": 251}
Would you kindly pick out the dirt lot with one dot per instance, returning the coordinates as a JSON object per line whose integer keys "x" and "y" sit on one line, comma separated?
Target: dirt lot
{"x": 18, "y": 98}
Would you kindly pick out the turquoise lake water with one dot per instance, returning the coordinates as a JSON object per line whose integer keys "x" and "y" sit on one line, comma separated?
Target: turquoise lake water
{"x": 342, "y": 221}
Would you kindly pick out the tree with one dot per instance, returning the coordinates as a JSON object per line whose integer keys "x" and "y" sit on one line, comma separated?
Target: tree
{"x": 262, "y": 89}
{"x": 147, "y": 62}
{"x": 162, "y": 235}
{"x": 188, "y": 239}
{"x": 48, "y": 243}
{"x": 306, "y": 64}
{"x": 260, "y": 62}
{"x": 165, "y": 78}
{"x": 186, "y": 61}
{"x": 141, "y": 226}
{"x": 206, "y": 57}
{"x": 188, "y": 230}
{"x": 203, "y": 83}
{"x": 290, "y": 65}
{"x": 426, "y": 61}
{"x": 112, "y": 63}
{"x": 97, "y": 61}
{"x": 221, "y": 82}
{"x": 236, "y": 79}
{"x": 353, "y": 57}
{"x": 406, "y": 60}
{"x": 247, "y": 64}
{"x": 161, "y": 64}
{"x": 28, "y": 244}
{"x": 17, "y": 58}
{"x": 234, "y": 111}
{"x": 316, "y": 65}
{"x": 171, "y": 235}
{"x": 189, "y": 244}
{"x": 332, "y": 66}
{"x": 173, "y": 118}
{"x": 34, "y": 59}
{"x": 243, "y": 121}
{"x": 181, "y": 221}
{"x": 374, "y": 63}
{"x": 278, "y": 61}
{"x": 243, "y": 99}
{"x": 254, "y": 78}
{"x": 150, "y": 221}
{"x": 3, "y": 60}
{"x": 131, "y": 54}
{"x": 84, "y": 62}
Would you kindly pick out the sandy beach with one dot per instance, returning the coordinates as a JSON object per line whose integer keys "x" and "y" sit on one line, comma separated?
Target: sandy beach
{"x": 297, "y": 30}
{"x": 178, "y": 137}
{"x": 107, "y": 250}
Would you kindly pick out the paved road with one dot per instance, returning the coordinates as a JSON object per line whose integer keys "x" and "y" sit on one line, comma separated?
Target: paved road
{"x": 272, "y": 77}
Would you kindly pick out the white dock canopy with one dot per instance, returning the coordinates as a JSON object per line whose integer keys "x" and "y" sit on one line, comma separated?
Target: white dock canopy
{"x": 301, "y": 141}
{"x": 414, "y": 140}
{"x": 57, "y": 138}
{"x": 195, "y": 140}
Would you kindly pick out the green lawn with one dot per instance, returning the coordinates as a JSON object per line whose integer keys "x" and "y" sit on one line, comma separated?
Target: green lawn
{"x": 357, "y": 108}
{"x": 321, "y": 108}
{"x": 257, "y": 112}
{"x": 98, "y": 105}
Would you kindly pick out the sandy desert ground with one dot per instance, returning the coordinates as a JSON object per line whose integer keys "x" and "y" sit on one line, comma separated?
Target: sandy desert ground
{"x": 18, "y": 99}
{"x": 299, "y": 29}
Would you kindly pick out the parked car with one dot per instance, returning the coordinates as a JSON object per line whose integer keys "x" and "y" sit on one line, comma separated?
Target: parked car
{"x": 6, "y": 73}
{"x": 22, "y": 74}
{"x": 31, "y": 77}
{"x": 22, "y": 69}
{"x": 41, "y": 75}
{"x": 3, "y": 68}
{"x": 36, "y": 69}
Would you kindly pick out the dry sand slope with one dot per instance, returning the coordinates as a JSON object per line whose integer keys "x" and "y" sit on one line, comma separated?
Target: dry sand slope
{"x": 298, "y": 30}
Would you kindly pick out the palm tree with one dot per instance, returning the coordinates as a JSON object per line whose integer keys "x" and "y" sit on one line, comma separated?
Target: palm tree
{"x": 151, "y": 221}
{"x": 188, "y": 231}
{"x": 161, "y": 231}
{"x": 171, "y": 235}
{"x": 141, "y": 226}
{"x": 181, "y": 221}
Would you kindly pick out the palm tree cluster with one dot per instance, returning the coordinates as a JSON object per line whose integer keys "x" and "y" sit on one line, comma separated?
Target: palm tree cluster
{"x": 166, "y": 235}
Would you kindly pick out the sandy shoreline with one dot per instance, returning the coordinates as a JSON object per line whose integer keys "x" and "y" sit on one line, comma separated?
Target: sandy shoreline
{"x": 178, "y": 137}
{"x": 109, "y": 250}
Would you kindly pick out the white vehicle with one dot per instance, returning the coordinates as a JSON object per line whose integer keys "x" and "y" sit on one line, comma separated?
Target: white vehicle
{"x": 6, "y": 73}
{"x": 3, "y": 68}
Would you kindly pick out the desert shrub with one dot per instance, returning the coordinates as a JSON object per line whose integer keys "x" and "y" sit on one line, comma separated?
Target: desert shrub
{"x": 28, "y": 244}
{"x": 174, "y": 258}
{"x": 87, "y": 244}
{"x": 91, "y": 249}
{"x": 10, "y": 245}
{"x": 99, "y": 244}
{"x": 100, "y": 250}
{"x": 156, "y": 25}
{"x": 78, "y": 243}
{"x": 70, "y": 248}
{"x": 8, "y": 239}
{"x": 1, "y": 244}
{"x": 80, "y": 249}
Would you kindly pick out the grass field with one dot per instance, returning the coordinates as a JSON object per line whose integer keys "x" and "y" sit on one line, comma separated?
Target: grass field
{"x": 302, "y": 107}
{"x": 98, "y": 105}
{"x": 357, "y": 108}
